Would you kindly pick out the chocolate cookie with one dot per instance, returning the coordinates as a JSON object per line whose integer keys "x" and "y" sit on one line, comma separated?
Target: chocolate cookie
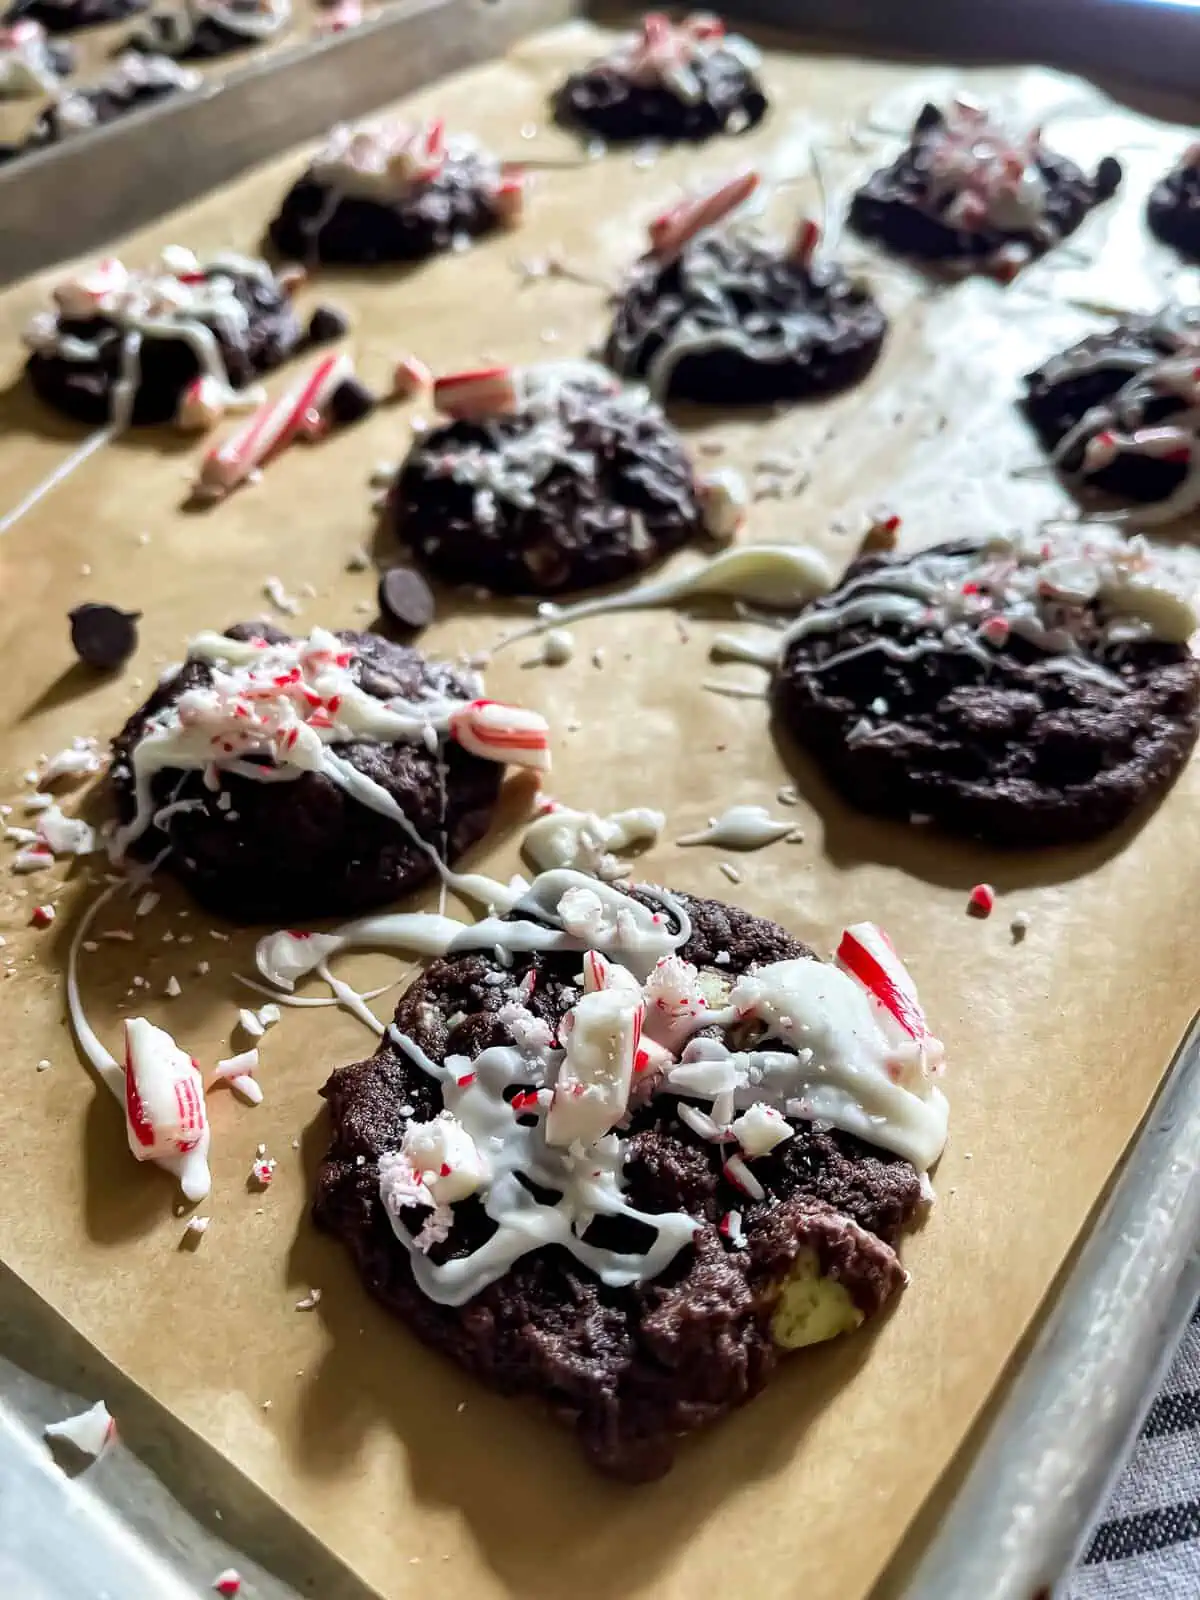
{"x": 1173, "y": 209}
{"x": 551, "y": 479}
{"x": 136, "y": 81}
{"x": 723, "y": 318}
{"x": 552, "y": 1172}
{"x": 389, "y": 191}
{"x": 198, "y": 30}
{"x": 1117, "y": 413}
{"x": 375, "y": 744}
{"x": 64, "y": 16}
{"x": 229, "y": 318}
{"x": 666, "y": 81}
{"x": 1025, "y": 692}
{"x": 968, "y": 195}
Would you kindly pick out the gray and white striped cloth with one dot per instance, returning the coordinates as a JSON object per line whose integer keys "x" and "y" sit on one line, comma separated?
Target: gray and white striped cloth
{"x": 1147, "y": 1544}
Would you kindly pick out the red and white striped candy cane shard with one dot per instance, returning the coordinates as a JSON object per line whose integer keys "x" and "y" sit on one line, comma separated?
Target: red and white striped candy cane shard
{"x": 866, "y": 953}
{"x": 488, "y": 392}
{"x": 410, "y": 377}
{"x": 508, "y": 734}
{"x": 804, "y": 243}
{"x": 271, "y": 426}
{"x": 674, "y": 228}
{"x": 164, "y": 1094}
{"x": 508, "y": 198}
{"x": 595, "y": 971}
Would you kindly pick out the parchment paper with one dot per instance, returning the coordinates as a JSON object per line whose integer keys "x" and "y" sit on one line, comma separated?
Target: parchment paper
{"x": 405, "y": 1468}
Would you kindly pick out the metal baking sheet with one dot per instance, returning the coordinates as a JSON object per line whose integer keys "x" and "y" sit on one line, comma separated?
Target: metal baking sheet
{"x": 1046, "y": 1453}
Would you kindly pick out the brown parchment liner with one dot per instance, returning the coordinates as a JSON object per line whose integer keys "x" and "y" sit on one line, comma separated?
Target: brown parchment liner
{"x": 407, "y": 1470}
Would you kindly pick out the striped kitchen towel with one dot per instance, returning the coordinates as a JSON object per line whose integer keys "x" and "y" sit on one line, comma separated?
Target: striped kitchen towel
{"x": 1147, "y": 1544}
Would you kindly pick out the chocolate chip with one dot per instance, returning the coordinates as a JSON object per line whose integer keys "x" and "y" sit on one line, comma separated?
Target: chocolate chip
{"x": 104, "y": 636}
{"x": 327, "y": 323}
{"x": 351, "y": 402}
{"x": 406, "y": 599}
{"x": 1108, "y": 176}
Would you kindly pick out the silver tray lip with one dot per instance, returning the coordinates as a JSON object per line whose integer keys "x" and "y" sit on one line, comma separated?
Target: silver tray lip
{"x": 1050, "y": 1453}
{"x": 1060, "y": 1436}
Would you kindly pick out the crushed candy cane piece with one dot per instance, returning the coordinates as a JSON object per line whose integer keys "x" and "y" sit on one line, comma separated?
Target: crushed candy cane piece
{"x": 682, "y": 222}
{"x": 803, "y": 246}
{"x": 165, "y": 1114}
{"x": 741, "y": 1177}
{"x": 724, "y": 503}
{"x": 508, "y": 199}
{"x": 89, "y": 1431}
{"x": 488, "y": 392}
{"x": 202, "y": 405}
{"x": 760, "y": 1128}
{"x": 34, "y": 858}
{"x": 269, "y": 1014}
{"x": 410, "y": 378}
{"x": 194, "y": 1230}
{"x": 250, "y": 1024}
{"x": 601, "y": 1035}
{"x": 503, "y": 733}
{"x": 78, "y": 760}
{"x": 981, "y": 900}
{"x": 867, "y": 954}
{"x": 262, "y": 1171}
{"x": 173, "y": 988}
{"x": 1019, "y": 925}
{"x": 310, "y": 1302}
{"x": 271, "y": 427}
{"x": 42, "y": 916}
{"x": 445, "y": 1159}
{"x": 730, "y": 1227}
{"x": 229, "y": 1582}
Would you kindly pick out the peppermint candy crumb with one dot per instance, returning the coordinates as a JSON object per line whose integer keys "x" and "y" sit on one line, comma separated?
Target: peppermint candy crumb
{"x": 981, "y": 900}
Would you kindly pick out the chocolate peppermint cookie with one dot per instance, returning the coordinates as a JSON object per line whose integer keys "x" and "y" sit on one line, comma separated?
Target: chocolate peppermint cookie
{"x": 1117, "y": 413}
{"x": 125, "y": 346}
{"x": 1173, "y": 209}
{"x": 64, "y": 16}
{"x": 297, "y": 778}
{"x": 549, "y": 478}
{"x": 668, "y": 81}
{"x": 596, "y": 1159}
{"x": 1025, "y": 692}
{"x": 968, "y": 195}
{"x": 722, "y": 317}
{"x": 390, "y": 191}
{"x": 135, "y": 81}
{"x": 196, "y": 30}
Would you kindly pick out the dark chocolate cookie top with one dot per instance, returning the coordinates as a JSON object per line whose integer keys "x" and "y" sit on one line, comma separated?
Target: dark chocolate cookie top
{"x": 720, "y": 316}
{"x": 1173, "y": 209}
{"x": 197, "y": 30}
{"x": 1024, "y": 691}
{"x": 687, "y": 80}
{"x": 300, "y": 778}
{"x": 628, "y": 1276}
{"x": 967, "y": 193}
{"x": 126, "y": 346}
{"x": 386, "y": 190}
{"x": 64, "y": 16}
{"x": 551, "y": 478}
{"x": 1117, "y": 412}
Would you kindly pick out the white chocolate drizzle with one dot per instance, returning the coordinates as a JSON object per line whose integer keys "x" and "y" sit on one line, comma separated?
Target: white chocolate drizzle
{"x": 741, "y": 827}
{"x": 1079, "y": 595}
{"x": 587, "y": 842}
{"x": 781, "y": 576}
{"x": 1165, "y": 369}
{"x": 844, "y": 1046}
{"x": 982, "y": 177}
{"x": 181, "y": 299}
{"x": 665, "y": 55}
